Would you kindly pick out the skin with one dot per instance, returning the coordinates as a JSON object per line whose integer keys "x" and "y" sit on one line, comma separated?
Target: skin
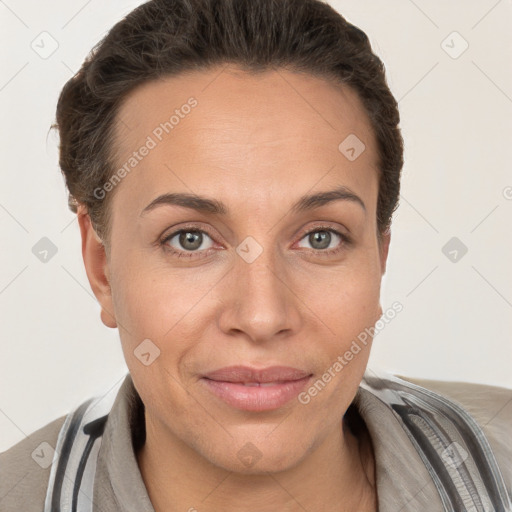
{"x": 257, "y": 143}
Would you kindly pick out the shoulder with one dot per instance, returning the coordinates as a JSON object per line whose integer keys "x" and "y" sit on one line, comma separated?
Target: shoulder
{"x": 25, "y": 469}
{"x": 490, "y": 407}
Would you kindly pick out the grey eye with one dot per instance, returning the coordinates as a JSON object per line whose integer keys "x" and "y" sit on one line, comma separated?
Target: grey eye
{"x": 321, "y": 239}
{"x": 189, "y": 240}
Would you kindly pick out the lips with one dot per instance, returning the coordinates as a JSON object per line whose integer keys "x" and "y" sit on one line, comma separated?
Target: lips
{"x": 253, "y": 389}
{"x": 245, "y": 374}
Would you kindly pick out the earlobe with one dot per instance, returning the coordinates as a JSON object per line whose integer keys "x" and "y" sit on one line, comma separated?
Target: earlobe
{"x": 96, "y": 267}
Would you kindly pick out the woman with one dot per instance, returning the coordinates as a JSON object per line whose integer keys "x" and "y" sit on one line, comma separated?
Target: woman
{"x": 234, "y": 166}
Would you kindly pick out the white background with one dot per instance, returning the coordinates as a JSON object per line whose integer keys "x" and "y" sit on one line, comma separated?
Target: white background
{"x": 457, "y": 124}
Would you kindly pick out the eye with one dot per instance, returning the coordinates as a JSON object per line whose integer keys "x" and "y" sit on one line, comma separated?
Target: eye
{"x": 322, "y": 239}
{"x": 195, "y": 242}
{"x": 187, "y": 242}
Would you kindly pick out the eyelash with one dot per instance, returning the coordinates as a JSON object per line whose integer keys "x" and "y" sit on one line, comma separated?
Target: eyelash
{"x": 345, "y": 241}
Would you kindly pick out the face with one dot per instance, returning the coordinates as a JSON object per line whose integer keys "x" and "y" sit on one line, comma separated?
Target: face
{"x": 255, "y": 277}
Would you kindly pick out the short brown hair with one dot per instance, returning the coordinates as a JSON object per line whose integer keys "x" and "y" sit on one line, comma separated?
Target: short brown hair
{"x": 166, "y": 37}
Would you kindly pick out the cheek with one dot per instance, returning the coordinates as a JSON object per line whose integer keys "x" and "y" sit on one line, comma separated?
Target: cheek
{"x": 346, "y": 299}
{"x": 347, "y": 303}
{"x": 357, "y": 307}
{"x": 152, "y": 300}
{"x": 156, "y": 328}
{"x": 168, "y": 307}
{"x": 347, "y": 310}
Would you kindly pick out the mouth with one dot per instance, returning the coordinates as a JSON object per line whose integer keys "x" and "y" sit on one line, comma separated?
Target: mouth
{"x": 251, "y": 389}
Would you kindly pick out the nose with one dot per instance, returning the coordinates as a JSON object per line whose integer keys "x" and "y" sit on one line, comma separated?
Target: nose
{"x": 259, "y": 299}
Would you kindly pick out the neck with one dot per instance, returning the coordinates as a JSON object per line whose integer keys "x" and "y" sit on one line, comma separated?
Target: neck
{"x": 338, "y": 471}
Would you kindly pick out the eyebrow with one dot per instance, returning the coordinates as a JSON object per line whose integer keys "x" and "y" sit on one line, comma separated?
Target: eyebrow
{"x": 215, "y": 207}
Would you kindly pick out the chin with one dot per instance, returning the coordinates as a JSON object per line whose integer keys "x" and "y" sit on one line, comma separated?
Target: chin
{"x": 258, "y": 458}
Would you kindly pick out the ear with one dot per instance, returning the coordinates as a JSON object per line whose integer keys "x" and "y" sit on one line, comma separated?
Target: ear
{"x": 96, "y": 267}
{"x": 384, "y": 249}
{"x": 383, "y": 256}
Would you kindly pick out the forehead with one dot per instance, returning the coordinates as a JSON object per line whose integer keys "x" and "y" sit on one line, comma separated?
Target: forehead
{"x": 224, "y": 130}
